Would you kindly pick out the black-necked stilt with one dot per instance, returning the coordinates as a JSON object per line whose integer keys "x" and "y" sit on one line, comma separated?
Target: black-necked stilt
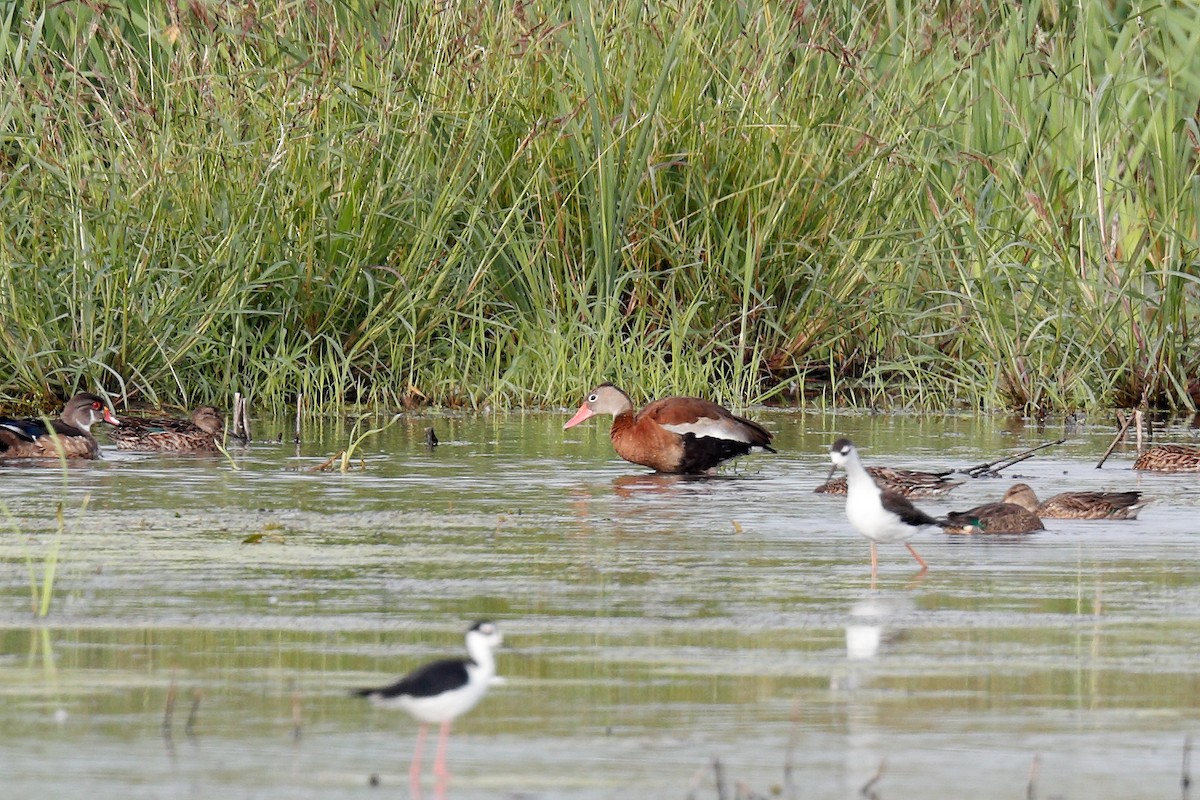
{"x": 993, "y": 518}
{"x": 1078, "y": 505}
{"x": 442, "y": 690}
{"x": 879, "y": 515}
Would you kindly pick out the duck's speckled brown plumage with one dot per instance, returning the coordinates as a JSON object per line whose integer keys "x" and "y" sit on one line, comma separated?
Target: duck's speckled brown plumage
{"x": 168, "y": 434}
{"x": 1169, "y": 458}
{"x": 1078, "y": 505}
{"x": 68, "y": 436}
{"x": 904, "y": 482}
{"x": 685, "y": 435}
{"x": 993, "y": 518}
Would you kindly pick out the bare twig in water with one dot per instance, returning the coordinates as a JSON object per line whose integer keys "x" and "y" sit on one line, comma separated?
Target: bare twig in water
{"x": 744, "y": 792}
{"x": 241, "y": 418}
{"x": 1124, "y": 422}
{"x": 328, "y": 463}
{"x": 245, "y": 419}
{"x": 1185, "y": 780}
{"x": 992, "y": 469}
{"x": 190, "y": 728}
{"x": 789, "y": 764}
{"x": 868, "y": 788}
{"x": 1031, "y": 785}
{"x": 169, "y": 710}
{"x": 297, "y": 726}
{"x": 719, "y": 776}
{"x": 299, "y": 406}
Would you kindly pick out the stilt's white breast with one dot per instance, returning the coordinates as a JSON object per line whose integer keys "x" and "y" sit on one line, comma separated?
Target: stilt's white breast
{"x": 444, "y": 706}
{"x": 872, "y": 520}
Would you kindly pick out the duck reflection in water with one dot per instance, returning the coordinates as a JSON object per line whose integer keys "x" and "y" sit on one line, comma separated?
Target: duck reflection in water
{"x": 654, "y": 483}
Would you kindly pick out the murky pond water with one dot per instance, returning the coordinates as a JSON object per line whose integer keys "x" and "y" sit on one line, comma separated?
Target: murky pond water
{"x": 658, "y": 623}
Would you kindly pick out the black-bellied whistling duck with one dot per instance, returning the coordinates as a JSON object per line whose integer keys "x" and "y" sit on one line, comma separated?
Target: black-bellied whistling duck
{"x": 199, "y": 434}
{"x": 70, "y": 435}
{"x": 1078, "y": 505}
{"x": 675, "y": 434}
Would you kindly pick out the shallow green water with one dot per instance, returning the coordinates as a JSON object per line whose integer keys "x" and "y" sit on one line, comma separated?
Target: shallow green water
{"x": 658, "y": 623}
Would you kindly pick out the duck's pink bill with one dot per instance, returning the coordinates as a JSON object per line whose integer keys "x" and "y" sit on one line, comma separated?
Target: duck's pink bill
{"x": 583, "y": 413}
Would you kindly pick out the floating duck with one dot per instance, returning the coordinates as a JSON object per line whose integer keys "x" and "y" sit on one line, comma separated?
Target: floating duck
{"x": 69, "y": 436}
{"x": 675, "y": 434}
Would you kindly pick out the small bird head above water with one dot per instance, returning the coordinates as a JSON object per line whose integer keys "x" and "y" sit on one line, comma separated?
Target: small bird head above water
{"x": 841, "y": 452}
{"x": 485, "y": 634}
{"x": 208, "y": 419}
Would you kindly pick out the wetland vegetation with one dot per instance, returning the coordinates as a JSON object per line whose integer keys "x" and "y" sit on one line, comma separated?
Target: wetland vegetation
{"x": 967, "y": 205}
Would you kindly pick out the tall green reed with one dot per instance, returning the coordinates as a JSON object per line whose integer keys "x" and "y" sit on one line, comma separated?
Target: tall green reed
{"x": 975, "y": 206}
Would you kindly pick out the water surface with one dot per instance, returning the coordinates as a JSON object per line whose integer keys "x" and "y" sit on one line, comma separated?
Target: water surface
{"x": 658, "y": 622}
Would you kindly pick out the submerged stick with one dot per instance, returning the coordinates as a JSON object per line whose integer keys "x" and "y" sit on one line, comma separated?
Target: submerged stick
{"x": 245, "y": 419}
{"x": 190, "y": 728}
{"x": 868, "y": 788}
{"x": 789, "y": 764}
{"x": 237, "y": 414}
{"x": 719, "y": 777}
{"x": 1031, "y": 785}
{"x": 169, "y": 709}
{"x": 297, "y": 727}
{"x": 328, "y": 463}
{"x": 1124, "y": 421}
{"x": 993, "y": 468}
{"x": 1185, "y": 781}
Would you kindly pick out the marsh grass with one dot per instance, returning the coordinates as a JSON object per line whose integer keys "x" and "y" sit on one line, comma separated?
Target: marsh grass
{"x": 966, "y": 205}
{"x": 344, "y": 458}
{"x": 357, "y": 437}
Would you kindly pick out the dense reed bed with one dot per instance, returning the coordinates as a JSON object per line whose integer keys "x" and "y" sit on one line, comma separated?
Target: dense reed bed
{"x": 925, "y": 205}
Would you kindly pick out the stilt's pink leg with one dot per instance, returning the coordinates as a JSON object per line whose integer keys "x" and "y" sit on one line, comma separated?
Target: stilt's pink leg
{"x": 874, "y": 561}
{"x": 439, "y": 766}
{"x": 920, "y": 560}
{"x": 414, "y": 771}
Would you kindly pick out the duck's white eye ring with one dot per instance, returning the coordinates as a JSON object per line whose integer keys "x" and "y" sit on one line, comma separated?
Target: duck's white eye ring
{"x": 593, "y": 398}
